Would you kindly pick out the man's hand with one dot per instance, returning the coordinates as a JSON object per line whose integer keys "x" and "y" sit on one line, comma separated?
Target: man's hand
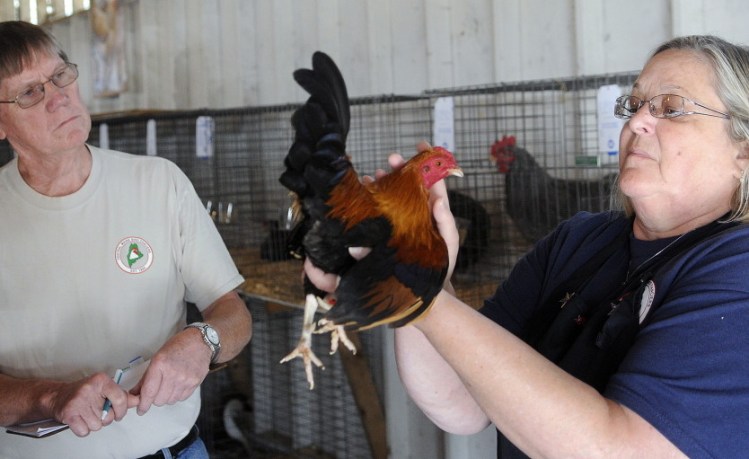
{"x": 79, "y": 404}
{"x": 175, "y": 371}
{"x": 178, "y": 368}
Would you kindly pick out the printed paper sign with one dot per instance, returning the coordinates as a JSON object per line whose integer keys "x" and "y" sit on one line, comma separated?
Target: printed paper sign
{"x": 444, "y": 126}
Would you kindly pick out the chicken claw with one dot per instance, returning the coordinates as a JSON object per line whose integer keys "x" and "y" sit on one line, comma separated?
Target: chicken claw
{"x": 304, "y": 346}
{"x": 304, "y": 350}
{"x": 337, "y": 334}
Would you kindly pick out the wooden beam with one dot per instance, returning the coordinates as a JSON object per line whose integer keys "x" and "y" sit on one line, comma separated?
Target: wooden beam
{"x": 367, "y": 399}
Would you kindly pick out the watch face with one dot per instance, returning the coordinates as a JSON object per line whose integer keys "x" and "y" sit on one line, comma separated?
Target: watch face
{"x": 211, "y": 334}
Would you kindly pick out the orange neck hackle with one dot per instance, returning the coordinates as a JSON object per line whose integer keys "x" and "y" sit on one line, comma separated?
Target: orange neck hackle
{"x": 401, "y": 196}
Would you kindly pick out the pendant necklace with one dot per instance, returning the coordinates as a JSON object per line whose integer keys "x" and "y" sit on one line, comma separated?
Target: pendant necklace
{"x": 652, "y": 257}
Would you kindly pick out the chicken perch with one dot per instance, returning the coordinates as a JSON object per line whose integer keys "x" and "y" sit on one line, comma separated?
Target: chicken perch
{"x": 406, "y": 267}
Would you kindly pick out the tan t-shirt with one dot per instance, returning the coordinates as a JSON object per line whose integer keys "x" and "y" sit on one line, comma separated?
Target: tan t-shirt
{"x": 96, "y": 278}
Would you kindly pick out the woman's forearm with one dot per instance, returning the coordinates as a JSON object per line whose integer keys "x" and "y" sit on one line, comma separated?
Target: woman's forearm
{"x": 434, "y": 386}
{"x": 542, "y": 409}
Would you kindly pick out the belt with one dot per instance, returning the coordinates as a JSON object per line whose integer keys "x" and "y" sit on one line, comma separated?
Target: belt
{"x": 175, "y": 449}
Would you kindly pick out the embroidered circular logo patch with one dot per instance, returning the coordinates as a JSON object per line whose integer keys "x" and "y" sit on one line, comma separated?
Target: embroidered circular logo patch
{"x": 647, "y": 300}
{"x": 133, "y": 255}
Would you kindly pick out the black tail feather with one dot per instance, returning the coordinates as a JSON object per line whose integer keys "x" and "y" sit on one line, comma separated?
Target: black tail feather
{"x": 317, "y": 159}
{"x": 318, "y": 155}
{"x": 326, "y": 87}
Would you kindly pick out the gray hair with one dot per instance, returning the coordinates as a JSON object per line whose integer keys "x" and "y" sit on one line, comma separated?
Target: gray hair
{"x": 21, "y": 43}
{"x": 730, "y": 63}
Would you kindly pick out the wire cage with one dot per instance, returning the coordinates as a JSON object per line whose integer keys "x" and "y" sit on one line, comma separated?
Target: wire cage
{"x": 260, "y": 409}
{"x": 500, "y": 215}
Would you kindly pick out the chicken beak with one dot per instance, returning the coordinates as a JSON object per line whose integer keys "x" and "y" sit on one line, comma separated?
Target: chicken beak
{"x": 458, "y": 172}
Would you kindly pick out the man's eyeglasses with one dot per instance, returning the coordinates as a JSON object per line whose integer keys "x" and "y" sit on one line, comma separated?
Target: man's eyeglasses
{"x": 64, "y": 76}
{"x": 662, "y": 106}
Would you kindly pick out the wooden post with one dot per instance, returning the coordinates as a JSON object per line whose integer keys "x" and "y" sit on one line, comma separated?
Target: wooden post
{"x": 365, "y": 394}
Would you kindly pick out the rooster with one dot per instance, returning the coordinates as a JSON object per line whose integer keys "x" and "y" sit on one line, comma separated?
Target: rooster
{"x": 399, "y": 278}
{"x": 538, "y": 202}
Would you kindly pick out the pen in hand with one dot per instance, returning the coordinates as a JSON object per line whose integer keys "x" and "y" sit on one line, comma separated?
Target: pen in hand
{"x": 107, "y": 403}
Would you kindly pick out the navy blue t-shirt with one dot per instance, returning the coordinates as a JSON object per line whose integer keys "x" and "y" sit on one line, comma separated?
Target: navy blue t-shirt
{"x": 687, "y": 373}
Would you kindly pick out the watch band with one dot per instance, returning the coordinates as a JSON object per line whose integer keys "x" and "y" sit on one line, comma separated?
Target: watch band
{"x": 210, "y": 338}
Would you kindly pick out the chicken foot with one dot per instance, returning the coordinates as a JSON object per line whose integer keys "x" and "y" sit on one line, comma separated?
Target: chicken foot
{"x": 304, "y": 346}
{"x": 337, "y": 335}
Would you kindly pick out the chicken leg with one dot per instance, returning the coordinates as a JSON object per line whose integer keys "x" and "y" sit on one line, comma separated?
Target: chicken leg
{"x": 304, "y": 346}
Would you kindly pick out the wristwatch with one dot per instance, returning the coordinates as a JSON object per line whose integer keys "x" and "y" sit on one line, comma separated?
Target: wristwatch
{"x": 210, "y": 337}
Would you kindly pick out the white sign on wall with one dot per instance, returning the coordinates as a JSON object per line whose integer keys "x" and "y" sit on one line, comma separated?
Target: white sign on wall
{"x": 444, "y": 126}
{"x": 151, "y": 137}
{"x": 609, "y": 126}
{"x": 104, "y": 136}
{"x": 204, "y": 129}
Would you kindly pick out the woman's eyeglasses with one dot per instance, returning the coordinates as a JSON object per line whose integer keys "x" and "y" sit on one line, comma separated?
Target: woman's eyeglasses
{"x": 662, "y": 106}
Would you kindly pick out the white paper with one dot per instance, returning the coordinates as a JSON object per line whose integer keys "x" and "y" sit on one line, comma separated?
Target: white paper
{"x": 609, "y": 126}
{"x": 151, "y": 137}
{"x": 131, "y": 375}
{"x": 104, "y": 136}
{"x": 204, "y": 128}
{"x": 444, "y": 124}
{"x": 37, "y": 429}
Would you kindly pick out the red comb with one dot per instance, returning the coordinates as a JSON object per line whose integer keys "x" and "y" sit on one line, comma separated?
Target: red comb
{"x": 507, "y": 141}
{"x": 500, "y": 150}
{"x": 503, "y": 144}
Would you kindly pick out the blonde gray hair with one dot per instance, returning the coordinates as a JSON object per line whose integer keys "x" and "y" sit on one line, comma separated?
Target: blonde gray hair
{"x": 730, "y": 64}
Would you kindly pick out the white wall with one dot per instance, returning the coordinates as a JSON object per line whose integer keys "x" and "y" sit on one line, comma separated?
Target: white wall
{"x": 187, "y": 54}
